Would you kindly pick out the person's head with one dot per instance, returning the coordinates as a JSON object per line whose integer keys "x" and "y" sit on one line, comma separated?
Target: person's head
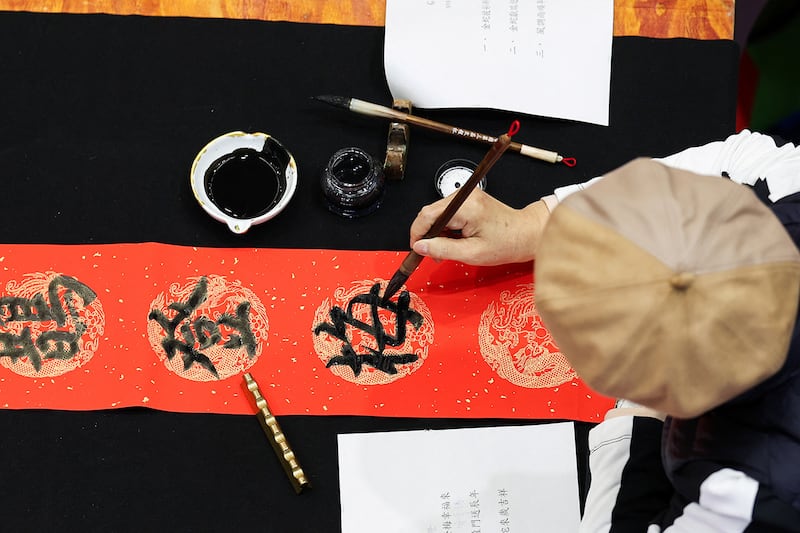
{"x": 671, "y": 289}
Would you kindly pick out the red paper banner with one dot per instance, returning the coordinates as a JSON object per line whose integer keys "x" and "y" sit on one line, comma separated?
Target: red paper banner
{"x": 175, "y": 328}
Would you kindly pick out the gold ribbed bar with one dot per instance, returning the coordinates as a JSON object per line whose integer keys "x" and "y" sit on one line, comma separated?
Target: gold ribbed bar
{"x": 277, "y": 439}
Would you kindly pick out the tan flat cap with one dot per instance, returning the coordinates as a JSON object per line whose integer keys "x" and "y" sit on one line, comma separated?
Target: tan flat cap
{"x": 671, "y": 289}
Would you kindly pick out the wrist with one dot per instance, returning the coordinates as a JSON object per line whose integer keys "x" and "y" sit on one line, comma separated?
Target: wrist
{"x": 537, "y": 214}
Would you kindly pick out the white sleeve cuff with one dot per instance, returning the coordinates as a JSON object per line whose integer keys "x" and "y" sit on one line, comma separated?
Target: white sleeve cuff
{"x": 563, "y": 192}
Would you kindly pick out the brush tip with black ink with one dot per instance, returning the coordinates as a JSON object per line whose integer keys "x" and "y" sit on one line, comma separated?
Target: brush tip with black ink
{"x": 394, "y": 285}
{"x": 337, "y": 101}
{"x": 407, "y": 267}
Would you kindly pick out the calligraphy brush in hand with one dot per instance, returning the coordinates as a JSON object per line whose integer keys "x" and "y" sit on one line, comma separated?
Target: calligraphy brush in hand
{"x": 413, "y": 259}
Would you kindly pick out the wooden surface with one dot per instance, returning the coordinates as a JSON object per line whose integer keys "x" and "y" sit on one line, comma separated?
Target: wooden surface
{"x": 697, "y": 19}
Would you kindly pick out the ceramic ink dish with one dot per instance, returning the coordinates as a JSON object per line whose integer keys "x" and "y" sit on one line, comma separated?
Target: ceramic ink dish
{"x": 243, "y": 179}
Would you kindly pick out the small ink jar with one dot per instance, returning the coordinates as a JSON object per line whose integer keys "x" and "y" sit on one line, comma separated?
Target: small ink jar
{"x": 352, "y": 183}
{"x": 453, "y": 174}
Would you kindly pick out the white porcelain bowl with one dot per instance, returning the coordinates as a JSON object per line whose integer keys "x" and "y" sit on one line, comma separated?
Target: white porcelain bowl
{"x": 277, "y": 168}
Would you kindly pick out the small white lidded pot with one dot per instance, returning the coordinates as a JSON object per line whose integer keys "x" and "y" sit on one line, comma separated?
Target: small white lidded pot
{"x": 243, "y": 179}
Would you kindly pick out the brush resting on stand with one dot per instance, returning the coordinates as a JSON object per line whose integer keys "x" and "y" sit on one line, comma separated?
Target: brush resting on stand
{"x": 375, "y": 110}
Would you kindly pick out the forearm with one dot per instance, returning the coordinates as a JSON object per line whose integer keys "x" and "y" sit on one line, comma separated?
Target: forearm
{"x": 493, "y": 233}
{"x": 538, "y": 212}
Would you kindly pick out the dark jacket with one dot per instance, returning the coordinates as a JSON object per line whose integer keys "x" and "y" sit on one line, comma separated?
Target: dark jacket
{"x": 757, "y": 433}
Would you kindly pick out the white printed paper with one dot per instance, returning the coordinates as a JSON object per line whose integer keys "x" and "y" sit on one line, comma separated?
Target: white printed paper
{"x": 492, "y": 480}
{"x": 540, "y": 57}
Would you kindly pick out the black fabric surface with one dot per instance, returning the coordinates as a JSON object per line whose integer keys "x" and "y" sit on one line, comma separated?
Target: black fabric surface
{"x": 100, "y": 119}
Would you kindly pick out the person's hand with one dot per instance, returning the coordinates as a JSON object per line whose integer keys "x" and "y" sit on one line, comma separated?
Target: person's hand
{"x": 492, "y": 233}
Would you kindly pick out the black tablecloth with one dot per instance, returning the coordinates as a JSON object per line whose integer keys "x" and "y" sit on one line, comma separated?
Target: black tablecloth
{"x": 100, "y": 119}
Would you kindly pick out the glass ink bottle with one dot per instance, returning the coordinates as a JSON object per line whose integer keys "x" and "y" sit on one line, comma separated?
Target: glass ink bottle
{"x": 352, "y": 183}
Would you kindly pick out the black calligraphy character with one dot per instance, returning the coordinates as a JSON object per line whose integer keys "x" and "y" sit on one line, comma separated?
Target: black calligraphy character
{"x": 202, "y": 332}
{"x": 184, "y": 310}
{"x": 19, "y": 309}
{"x": 72, "y": 287}
{"x": 340, "y": 319}
{"x": 58, "y": 344}
{"x": 18, "y": 346}
{"x": 207, "y": 332}
{"x": 241, "y": 323}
